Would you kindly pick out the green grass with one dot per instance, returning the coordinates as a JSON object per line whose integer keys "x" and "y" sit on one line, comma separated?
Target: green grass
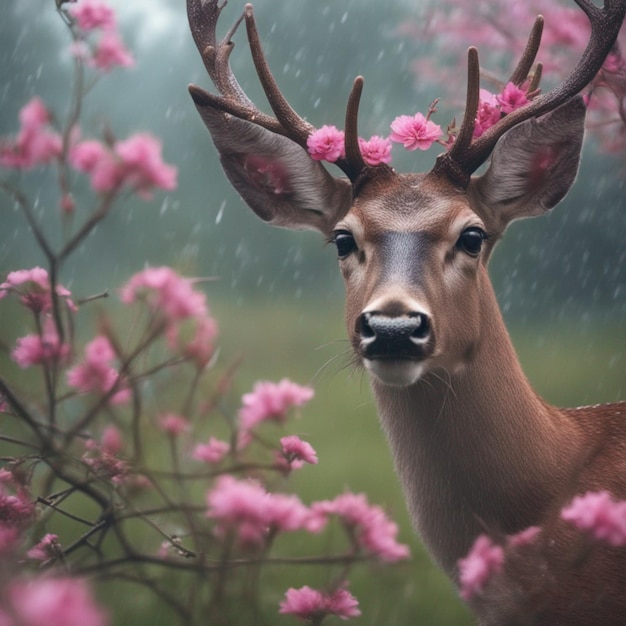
{"x": 568, "y": 365}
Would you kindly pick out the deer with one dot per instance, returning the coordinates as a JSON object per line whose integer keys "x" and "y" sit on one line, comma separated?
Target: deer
{"x": 476, "y": 449}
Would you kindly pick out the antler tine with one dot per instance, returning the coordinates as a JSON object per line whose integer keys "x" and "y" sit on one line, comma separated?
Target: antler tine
{"x": 203, "y": 17}
{"x": 605, "y": 26}
{"x": 297, "y": 128}
{"x": 353, "y": 164}
{"x": 449, "y": 162}
{"x": 520, "y": 73}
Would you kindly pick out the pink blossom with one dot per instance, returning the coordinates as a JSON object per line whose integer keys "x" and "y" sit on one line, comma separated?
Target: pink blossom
{"x": 376, "y": 150}
{"x": 272, "y": 401}
{"x": 35, "y": 143}
{"x": 47, "y": 548}
{"x": 212, "y": 452}
{"x": 110, "y": 52}
{"x": 143, "y": 166}
{"x": 40, "y": 349}
{"x": 92, "y": 14}
{"x": 484, "y": 560}
{"x": 599, "y": 515}
{"x": 326, "y": 144}
{"x": 16, "y": 509}
{"x": 312, "y": 605}
{"x": 135, "y": 161}
{"x": 488, "y": 112}
{"x": 252, "y": 511}
{"x": 370, "y": 525}
{"x": 511, "y": 98}
{"x": 295, "y": 452}
{"x": 414, "y": 132}
{"x": 173, "y": 425}
{"x": 167, "y": 292}
{"x": 33, "y": 287}
{"x": 54, "y": 602}
{"x": 94, "y": 374}
{"x": 111, "y": 440}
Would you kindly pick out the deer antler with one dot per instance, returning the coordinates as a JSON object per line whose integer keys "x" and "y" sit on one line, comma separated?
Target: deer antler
{"x": 203, "y": 17}
{"x": 466, "y": 155}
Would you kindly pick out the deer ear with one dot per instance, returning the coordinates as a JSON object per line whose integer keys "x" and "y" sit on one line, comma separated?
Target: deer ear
{"x": 532, "y": 166}
{"x": 278, "y": 180}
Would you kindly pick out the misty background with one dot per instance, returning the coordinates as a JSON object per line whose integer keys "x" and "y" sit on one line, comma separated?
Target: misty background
{"x": 567, "y": 265}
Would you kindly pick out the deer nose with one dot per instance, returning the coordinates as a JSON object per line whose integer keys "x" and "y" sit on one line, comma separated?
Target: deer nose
{"x": 395, "y": 336}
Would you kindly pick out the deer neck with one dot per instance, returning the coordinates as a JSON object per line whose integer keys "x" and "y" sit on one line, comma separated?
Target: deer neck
{"x": 477, "y": 451}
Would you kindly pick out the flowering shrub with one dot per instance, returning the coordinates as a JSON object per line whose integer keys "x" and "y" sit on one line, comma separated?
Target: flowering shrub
{"x": 499, "y": 30}
{"x": 119, "y": 466}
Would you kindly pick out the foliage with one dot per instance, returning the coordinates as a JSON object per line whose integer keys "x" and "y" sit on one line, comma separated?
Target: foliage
{"x": 128, "y": 436}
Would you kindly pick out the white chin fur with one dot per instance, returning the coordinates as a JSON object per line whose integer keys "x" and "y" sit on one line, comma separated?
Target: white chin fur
{"x": 400, "y": 373}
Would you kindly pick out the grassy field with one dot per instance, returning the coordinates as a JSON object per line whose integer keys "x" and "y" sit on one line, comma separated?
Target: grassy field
{"x": 568, "y": 363}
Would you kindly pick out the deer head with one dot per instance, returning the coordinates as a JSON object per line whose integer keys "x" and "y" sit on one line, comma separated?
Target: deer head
{"x": 412, "y": 248}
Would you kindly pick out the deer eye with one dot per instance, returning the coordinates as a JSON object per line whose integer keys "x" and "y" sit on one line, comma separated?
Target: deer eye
{"x": 345, "y": 243}
{"x": 471, "y": 240}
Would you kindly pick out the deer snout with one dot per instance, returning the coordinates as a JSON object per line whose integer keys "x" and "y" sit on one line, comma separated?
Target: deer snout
{"x": 404, "y": 336}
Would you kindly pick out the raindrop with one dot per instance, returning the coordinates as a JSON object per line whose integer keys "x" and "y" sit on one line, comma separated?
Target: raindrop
{"x": 220, "y": 213}
{"x": 164, "y": 206}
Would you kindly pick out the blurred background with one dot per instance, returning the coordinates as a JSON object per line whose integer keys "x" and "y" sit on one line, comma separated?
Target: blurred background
{"x": 561, "y": 279}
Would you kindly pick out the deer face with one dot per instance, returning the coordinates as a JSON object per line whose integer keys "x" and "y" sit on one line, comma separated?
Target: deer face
{"x": 412, "y": 254}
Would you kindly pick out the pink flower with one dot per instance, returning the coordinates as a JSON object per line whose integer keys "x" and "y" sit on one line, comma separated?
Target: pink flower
{"x": 111, "y": 440}
{"x": 295, "y": 452}
{"x": 110, "y": 52}
{"x": 54, "y": 602}
{"x": 511, "y": 98}
{"x": 312, "y": 605}
{"x": 369, "y": 524}
{"x": 16, "y": 509}
{"x": 414, "y": 132}
{"x": 375, "y": 151}
{"x": 97, "y": 160}
{"x": 326, "y": 144}
{"x": 483, "y": 561}
{"x": 39, "y": 349}
{"x": 167, "y": 292}
{"x": 92, "y": 14}
{"x": 272, "y": 401}
{"x": 212, "y": 452}
{"x": 143, "y": 166}
{"x": 173, "y": 425}
{"x": 34, "y": 114}
{"x": 253, "y": 512}
{"x": 33, "y": 287}
{"x": 95, "y": 373}
{"x": 599, "y": 515}
{"x": 488, "y": 113}
{"x": 47, "y": 548}
{"x": 35, "y": 143}
{"x": 135, "y": 161}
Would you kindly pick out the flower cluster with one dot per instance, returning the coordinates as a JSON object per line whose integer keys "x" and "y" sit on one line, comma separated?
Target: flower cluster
{"x": 599, "y": 515}
{"x": 36, "y": 142}
{"x": 312, "y": 605}
{"x": 98, "y": 43}
{"x": 135, "y": 162}
{"x": 413, "y": 132}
